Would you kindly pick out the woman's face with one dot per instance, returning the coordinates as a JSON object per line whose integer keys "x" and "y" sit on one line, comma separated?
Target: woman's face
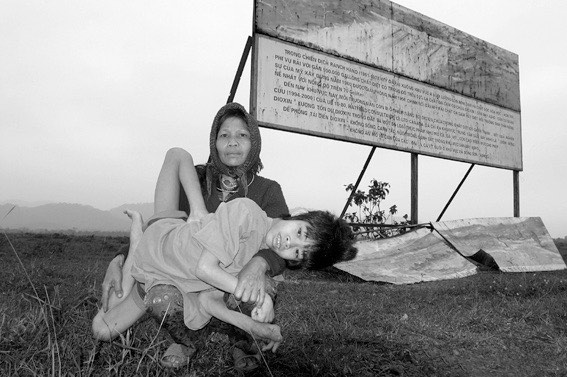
{"x": 233, "y": 142}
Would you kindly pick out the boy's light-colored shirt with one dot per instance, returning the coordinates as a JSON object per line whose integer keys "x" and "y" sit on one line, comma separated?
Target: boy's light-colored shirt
{"x": 169, "y": 249}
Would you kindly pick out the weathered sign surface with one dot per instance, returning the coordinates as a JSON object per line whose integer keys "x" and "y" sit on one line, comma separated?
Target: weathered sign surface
{"x": 514, "y": 244}
{"x": 414, "y": 257}
{"x": 386, "y": 35}
{"x": 379, "y": 74}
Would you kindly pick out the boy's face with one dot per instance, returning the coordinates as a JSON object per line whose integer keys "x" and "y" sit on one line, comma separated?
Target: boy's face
{"x": 288, "y": 238}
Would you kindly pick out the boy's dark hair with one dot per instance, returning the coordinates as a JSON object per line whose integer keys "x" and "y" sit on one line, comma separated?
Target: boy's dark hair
{"x": 332, "y": 240}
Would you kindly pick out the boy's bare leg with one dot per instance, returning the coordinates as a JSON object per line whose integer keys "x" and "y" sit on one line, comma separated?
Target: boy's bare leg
{"x": 135, "y": 237}
{"x": 127, "y": 279}
{"x": 135, "y": 229}
{"x": 177, "y": 172}
{"x": 212, "y": 302}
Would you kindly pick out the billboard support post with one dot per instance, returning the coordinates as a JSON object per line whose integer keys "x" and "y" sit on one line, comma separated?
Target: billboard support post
{"x": 358, "y": 181}
{"x": 455, "y": 193}
{"x": 240, "y": 69}
{"x": 414, "y": 189}
{"x": 516, "y": 179}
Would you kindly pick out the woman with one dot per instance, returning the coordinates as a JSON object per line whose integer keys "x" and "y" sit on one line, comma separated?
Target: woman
{"x": 231, "y": 172}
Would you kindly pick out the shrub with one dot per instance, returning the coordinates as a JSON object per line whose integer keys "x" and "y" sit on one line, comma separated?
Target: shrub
{"x": 368, "y": 210}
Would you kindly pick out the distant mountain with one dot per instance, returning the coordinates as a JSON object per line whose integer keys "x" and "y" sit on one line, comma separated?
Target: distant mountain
{"x": 64, "y": 216}
{"x": 23, "y": 203}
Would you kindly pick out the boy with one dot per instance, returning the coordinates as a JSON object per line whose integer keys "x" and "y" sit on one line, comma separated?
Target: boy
{"x": 201, "y": 256}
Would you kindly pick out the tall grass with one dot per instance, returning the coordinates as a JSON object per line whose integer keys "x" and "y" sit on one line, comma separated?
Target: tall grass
{"x": 334, "y": 324}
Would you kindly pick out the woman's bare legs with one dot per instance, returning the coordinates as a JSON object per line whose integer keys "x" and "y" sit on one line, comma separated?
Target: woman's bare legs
{"x": 108, "y": 325}
{"x": 177, "y": 172}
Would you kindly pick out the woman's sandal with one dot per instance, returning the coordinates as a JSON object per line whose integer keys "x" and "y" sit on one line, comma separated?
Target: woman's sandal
{"x": 177, "y": 356}
{"x": 245, "y": 362}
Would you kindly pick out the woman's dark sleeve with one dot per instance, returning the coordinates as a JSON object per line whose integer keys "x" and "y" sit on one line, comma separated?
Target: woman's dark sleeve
{"x": 274, "y": 205}
{"x": 274, "y": 202}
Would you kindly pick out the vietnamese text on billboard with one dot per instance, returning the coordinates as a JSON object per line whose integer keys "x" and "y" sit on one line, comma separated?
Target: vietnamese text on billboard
{"x": 307, "y": 91}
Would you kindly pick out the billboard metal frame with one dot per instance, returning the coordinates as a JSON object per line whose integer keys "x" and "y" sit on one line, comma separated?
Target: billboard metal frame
{"x": 251, "y": 45}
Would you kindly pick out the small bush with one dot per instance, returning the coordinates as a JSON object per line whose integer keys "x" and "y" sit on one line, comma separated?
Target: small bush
{"x": 368, "y": 210}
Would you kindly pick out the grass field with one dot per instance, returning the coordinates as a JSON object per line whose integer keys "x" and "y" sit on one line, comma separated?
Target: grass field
{"x": 490, "y": 324}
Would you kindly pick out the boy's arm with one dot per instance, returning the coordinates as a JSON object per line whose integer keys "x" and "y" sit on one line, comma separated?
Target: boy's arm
{"x": 209, "y": 271}
{"x": 212, "y": 302}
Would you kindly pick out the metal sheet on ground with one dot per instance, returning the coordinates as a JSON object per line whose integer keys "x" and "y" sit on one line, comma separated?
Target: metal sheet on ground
{"x": 516, "y": 244}
{"x": 417, "y": 256}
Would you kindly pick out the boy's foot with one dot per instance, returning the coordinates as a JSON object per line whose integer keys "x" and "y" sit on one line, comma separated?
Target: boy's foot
{"x": 136, "y": 227}
{"x": 134, "y": 215}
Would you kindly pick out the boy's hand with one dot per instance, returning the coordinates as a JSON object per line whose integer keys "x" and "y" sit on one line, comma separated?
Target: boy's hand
{"x": 112, "y": 280}
{"x": 271, "y": 345}
{"x": 264, "y": 313}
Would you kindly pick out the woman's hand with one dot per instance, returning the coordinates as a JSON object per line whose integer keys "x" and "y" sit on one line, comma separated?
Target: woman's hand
{"x": 264, "y": 313}
{"x": 112, "y": 280}
{"x": 251, "y": 285}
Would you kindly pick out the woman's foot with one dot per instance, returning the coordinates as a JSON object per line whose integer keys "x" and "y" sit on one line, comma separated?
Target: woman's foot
{"x": 246, "y": 358}
{"x": 177, "y": 356}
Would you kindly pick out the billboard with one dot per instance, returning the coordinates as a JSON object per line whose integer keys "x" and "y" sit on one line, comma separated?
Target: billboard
{"x": 379, "y": 74}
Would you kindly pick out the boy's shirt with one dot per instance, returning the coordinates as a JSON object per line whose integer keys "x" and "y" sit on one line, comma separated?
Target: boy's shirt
{"x": 170, "y": 248}
{"x": 235, "y": 233}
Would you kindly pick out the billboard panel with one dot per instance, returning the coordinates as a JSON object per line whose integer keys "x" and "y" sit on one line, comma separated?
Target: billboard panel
{"x": 376, "y": 73}
{"x": 307, "y": 91}
{"x": 398, "y": 40}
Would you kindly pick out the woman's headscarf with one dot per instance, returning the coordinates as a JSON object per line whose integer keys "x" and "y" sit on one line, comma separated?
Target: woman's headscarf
{"x": 251, "y": 165}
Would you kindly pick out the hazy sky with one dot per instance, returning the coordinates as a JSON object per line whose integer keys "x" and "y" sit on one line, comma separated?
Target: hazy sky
{"x": 93, "y": 93}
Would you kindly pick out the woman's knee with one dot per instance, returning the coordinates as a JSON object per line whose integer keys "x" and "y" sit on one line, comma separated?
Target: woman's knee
{"x": 101, "y": 331}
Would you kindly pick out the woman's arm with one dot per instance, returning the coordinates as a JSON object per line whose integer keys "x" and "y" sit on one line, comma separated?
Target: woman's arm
{"x": 113, "y": 280}
{"x": 253, "y": 283}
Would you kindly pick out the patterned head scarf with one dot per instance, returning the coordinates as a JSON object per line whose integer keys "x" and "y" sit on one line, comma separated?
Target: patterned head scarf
{"x": 251, "y": 166}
